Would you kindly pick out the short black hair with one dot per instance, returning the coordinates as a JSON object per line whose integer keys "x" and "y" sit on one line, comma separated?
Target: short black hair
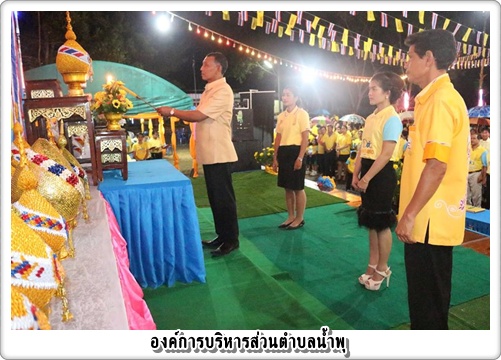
{"x": 220, "y": 59}
{"x": 440, "y": 42}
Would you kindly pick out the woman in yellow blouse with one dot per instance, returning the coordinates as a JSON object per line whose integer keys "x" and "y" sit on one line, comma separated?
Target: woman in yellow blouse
{"x": 293, "y": 128}
{"x": 375, "y": 177}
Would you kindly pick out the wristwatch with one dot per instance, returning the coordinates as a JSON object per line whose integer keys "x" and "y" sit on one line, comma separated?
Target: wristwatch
{"x": 171, "y": 112}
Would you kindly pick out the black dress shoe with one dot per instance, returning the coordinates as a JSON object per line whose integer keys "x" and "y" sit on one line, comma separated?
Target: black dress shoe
{"x": 225, "y": 249}
{"x": 283, "y": 226}
{"x": 301, "y": 224}
{"x": 214, "y": 243}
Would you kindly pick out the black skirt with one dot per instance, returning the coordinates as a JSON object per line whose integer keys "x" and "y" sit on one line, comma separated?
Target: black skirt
{"x": 376, "y": 210}
{"x": 289, "y": 178}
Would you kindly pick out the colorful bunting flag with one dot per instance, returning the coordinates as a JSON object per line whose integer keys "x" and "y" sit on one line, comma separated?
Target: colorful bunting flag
{"x": 421, "y": 17}
{"x": 370, "y": 16}
{"x": 353, "y": 13}
{"x": 321, "y": 30}
{"x": 398, "y": 25}
{"x": 404, "y": 14}
{"x": 434, "y": 17}
{"x": 478, "y": 37}
{"x": 333, "y": 35}
{"x": 446, "y": 23}
{"x": 456, "y": 29}
{"x": 267, "y": 28}
{"x": 254, "y": 23}
{"x": 485, "y": 39}
{"x": 226, "y": 15}
{"x": 299, "y": 17}
{"x": 308, "y": 26}
{"x": 314, "y": 24}
{"x": 260, "y": 18}
{"x": 344, "y": 39}
{"x": 384, "y": 20}
{"x": 240, "y": 21}
{"x": 312, "y": 39}
{"x": 208, "y": 13}
{"x": 280, "y": 31}
{"x": 278, "y": 16}
{"x": 301, "y": 36}
{"x": 292, "y": 21}
{"x": 329, "y": 30}
{"x": 466, "y": 35}
{"x": 274, "y": 26}
{"x": 409, "y": 29}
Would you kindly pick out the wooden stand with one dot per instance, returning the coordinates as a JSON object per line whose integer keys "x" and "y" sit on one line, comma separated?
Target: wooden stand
{"x": 111, "y": 149}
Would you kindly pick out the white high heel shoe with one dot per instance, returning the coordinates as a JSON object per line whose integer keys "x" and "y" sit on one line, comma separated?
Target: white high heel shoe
{"x": 364, "y": 277}
{"x": 375, "y": 285}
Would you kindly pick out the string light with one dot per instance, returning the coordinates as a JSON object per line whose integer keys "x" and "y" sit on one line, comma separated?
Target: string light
{"x": 275, "y": 60}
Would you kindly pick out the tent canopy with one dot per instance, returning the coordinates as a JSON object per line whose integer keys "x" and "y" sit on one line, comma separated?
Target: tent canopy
{"x": 150, "y": 87}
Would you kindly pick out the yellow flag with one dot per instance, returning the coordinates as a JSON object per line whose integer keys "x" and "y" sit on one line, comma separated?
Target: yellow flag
{"x": 370, "y": 16}
{"x": 226, "y": 15}
{"x": 312, "y": 39}
{"x": 280, "y": 31}
{"x": 485, "y": 38}
{"x": 464, "y": 48}
{"x": 336, "y": 47}
{"x": 344, "y": 39}
{"x": 483, "y": 53}
{"x": 421, "y": 17}
{"x": 390, "y": 51}
{"x": 332, "y": 46}
{"x": 446, "y": 23}
{"x": 350, "y": 51}
{"x": 381, "y": 51}
{"x": 288, "y": 31}
{"x": 398, "y": 25}
{"x": 321, "y": 30}
{"x": 367, "y": 45}
{"x": 366, "y": 54}
{"x": 260, "y": 18}
{"x": 292, "y": 21}
{"x": 466, "y": 35}
{"x": 254, "y": 23}
{"x": 314, "y": 24}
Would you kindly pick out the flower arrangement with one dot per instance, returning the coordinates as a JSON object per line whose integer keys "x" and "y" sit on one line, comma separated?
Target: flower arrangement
{"x": 111, "y": 100}
{"x": 265, "y": 157}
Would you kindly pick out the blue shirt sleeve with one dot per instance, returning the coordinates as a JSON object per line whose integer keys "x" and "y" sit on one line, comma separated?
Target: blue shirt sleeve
{"x": 484, "y": 158}
{"x": 392, "y": 129}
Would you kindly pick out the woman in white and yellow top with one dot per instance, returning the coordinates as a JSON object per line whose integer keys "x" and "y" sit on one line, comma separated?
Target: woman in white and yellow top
{"x": 293, "y": 128}
{"x": 375, "y": 177}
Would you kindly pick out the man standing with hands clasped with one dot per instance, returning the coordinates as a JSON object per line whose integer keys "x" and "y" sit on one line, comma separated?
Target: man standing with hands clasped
{"x": 215, "y": 150}
{"x": 432, "y": 208}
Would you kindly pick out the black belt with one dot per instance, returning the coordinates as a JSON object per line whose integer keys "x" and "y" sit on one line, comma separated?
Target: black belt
{"x": 473, "y": 172}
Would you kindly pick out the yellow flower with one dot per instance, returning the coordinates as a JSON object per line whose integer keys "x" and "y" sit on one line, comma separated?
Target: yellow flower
{"x": 395, "y": 166}
{"x": 116, "y": 103}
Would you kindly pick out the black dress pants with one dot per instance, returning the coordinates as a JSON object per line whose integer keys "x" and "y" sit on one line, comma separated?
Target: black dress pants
{"x": 222, "y": 200}
{"x": 429, "y": 276}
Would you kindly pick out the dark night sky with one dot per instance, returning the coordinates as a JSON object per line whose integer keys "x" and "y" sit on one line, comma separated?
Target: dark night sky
{"x": 185, "y": 48}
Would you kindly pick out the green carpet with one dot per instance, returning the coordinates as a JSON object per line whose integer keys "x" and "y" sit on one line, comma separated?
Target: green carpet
{"x": 307, "y": 278}
{"x": 329, "y": 253}
{"x": 287, "y": 280}
{"x": 257, "y": 194}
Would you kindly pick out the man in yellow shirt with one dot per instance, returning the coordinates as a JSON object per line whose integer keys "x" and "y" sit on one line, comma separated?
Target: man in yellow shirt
{"x": 477, "y": 171}
{"x": 432, "y": 207}
{"x": 330, "y": 158}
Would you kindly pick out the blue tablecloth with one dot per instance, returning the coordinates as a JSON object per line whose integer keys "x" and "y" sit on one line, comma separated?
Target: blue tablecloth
{"x": 479, "y": 222}
{"x": 155, "y": 209}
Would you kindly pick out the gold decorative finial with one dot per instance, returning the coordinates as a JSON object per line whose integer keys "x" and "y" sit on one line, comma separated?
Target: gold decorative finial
{"x": 70, "y": 35}
{"x": 61, "y": 141}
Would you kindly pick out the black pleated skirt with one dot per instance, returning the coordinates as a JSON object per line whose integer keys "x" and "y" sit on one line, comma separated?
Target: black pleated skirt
{"x": 289, "y": 178}
{"x": 376, "y": 211}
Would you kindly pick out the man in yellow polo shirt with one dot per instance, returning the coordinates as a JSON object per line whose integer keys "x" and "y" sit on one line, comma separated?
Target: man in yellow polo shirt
{"x": 432, "y": 207}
